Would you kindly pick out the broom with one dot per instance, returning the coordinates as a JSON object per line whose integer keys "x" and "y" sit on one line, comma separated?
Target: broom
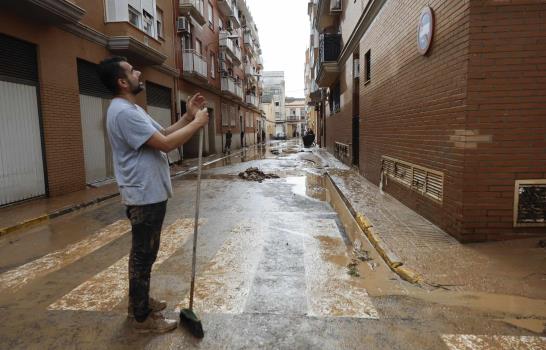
{"x": 187, "y": 316}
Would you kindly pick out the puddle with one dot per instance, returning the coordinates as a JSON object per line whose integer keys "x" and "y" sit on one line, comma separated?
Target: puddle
{"x": 309, "y": 185}
{"x": 530, "y": 324}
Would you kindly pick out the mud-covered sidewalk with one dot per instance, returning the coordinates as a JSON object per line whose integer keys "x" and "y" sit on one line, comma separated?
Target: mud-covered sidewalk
{"x": 516, "y": 267}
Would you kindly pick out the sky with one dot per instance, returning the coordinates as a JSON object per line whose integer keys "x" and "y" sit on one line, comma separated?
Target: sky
{"x": 283, "y": 28}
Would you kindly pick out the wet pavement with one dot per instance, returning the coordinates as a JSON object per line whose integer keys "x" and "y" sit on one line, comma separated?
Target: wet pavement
{"x": 277, "y": 269}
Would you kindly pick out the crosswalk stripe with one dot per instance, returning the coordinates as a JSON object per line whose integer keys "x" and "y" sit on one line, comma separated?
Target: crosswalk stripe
{"x": 331, "y": 292}
{"x": 501, "y": 342}
{"x": 106, "y": 290}
{"x": 224, "y": 284}
{"x": 17, "y": 278}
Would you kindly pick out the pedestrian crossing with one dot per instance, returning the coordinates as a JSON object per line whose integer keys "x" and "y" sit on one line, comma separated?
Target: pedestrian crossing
{"x": 105, "y": 290}
{"x": 498, "y": 342}
{"x": 17, "y": 278}
{"x": 225, "y": 283}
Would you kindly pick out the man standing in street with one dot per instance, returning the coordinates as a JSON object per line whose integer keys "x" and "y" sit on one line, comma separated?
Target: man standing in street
{"x": 229, "y": 135}
{"x": 139, "y": 147}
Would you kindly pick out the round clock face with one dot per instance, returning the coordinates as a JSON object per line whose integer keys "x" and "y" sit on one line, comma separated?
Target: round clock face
{"x": 425, "y": 31}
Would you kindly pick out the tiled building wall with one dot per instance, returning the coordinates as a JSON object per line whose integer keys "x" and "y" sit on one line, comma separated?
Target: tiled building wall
{"x": 505, "y": 135}
{"x": 413, "y": 104}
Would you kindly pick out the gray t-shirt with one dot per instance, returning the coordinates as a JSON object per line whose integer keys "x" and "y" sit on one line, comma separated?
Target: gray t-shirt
{"x": 142, "y": 172}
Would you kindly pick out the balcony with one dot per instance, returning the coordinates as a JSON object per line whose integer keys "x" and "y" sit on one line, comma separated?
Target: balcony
{"x": 193, "y": 8}
{"x": 250, "y": 73}
{"x": 135, "y": 50}
{"x": 234, "y": 18}
{"x": 252, "y": 100}
{"x": 329, "y": 50}
{"x": 249, "y": 42}
{"x": 327, "y": 12}
{"x": 226, "y": 7}
{"x": 194, "y": 66}
{"x": 259, "y": 62}
{"x": 231, "y": 88}
{"x": 315, "y": 93}
{"x": 232, "y": 50}
{"x": 50, "y": 11}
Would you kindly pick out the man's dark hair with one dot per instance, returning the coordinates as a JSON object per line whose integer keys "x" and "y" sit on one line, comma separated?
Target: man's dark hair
{"x": 110, "y": 71}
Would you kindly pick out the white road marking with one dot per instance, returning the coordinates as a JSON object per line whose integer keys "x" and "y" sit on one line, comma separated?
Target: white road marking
{"x": 224, "y": 284}
{"x": 486, "y": 342}
{"x": 331, "y": 292}
{"x": 19, "y": 277}
{"x": 106, "y": 290}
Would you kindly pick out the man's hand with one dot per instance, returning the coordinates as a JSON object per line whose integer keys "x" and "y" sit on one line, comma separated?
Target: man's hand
{"x": 195, "y": 104}
{"x": 202, "y": 117}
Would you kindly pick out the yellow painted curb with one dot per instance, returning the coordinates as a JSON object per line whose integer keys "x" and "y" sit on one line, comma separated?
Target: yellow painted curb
{"x": 408, "y": 274}
{"x": 23, "y": 224}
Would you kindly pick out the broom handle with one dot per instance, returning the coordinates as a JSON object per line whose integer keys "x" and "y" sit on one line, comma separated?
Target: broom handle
{"x": 196, "y": 224}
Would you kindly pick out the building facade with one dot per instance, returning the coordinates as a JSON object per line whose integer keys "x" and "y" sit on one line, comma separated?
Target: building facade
{"x": 449, "y": 117}
{"x": 295, "y": 116}
{"x": 273, "y": 100}
{"x": 52, "y": 128}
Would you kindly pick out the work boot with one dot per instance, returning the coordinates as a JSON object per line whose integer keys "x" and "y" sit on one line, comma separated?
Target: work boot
{"x": 155, "y": 323}
{"x": 154, "y": 305}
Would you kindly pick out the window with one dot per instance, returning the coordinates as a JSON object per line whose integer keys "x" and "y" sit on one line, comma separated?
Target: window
{"x": 148, "y": 23}
{"x": 212, "y": 66}
{"x": 159, "y": 23}
{"x": 335, "y": 98}
{"x": 211, "y": 16}
{"x": 225, "y": 114}
{"x": 368, "y": 60}
{"x": 276, "y": 104}
{"x": 134, "y": 16}
{"x": 198, "y": 46}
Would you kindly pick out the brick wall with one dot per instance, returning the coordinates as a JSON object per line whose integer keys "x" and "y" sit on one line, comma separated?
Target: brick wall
{"x": 506, "y": 119}
{"x": 414, "y": 104}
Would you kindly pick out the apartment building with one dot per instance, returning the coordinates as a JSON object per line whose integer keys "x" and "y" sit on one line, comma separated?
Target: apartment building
{"x": 221, "y": 58}
{"x": 295, "y": 112}
{"x": 273, "y": 100}
{"x": 440, "y": 101}
{"x": 52, "y": 103}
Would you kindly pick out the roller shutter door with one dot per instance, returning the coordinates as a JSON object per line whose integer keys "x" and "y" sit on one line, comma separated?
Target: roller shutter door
{"x": 94, "y": 102}
{"x": 158, "y": 99}
{"x": 21, "y": 155}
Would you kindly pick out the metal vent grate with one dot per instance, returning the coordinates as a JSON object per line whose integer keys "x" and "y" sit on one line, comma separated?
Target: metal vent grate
{"x": 428, "y": 182}
{"x": 530, "y": 203}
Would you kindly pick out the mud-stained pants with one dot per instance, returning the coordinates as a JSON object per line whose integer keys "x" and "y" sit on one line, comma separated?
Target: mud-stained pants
{"x": 146, "y": 222}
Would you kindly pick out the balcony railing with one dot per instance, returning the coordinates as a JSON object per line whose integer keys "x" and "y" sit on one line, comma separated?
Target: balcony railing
{"x": 252, "y": 100}
{"x": 327, "y": 68}
{"x": 195, "y": 8}
{"x": 194, "y": 65}
{"x": 249, "y": 42}
{"x": 231, "y": 87}
{"x": 233, "y": 50}
{"x": 329, "y": 47}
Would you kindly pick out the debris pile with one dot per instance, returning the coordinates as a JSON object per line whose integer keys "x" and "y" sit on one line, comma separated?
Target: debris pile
{"x": 255, "y": 174}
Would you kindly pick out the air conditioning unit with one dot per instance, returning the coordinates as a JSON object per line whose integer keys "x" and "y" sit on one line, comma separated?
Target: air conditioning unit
{"x": 183, "y": 25}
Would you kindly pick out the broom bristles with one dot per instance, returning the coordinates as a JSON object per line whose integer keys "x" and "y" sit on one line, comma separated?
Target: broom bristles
{"x": 192, "y": 322}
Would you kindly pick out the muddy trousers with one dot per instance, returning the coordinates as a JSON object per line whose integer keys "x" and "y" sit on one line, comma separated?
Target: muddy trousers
{"x": 146, "y": 222}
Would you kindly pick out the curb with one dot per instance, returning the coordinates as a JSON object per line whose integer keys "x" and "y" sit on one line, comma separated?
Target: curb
{"x": 72, "y": 208}
{"x": 391, "y": 259}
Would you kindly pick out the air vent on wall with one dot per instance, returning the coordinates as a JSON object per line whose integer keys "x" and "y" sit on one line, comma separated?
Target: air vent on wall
{"x": 428, "y": 182}
{"x": 530, "y": 203}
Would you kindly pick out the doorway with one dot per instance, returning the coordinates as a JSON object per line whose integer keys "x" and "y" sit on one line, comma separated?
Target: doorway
{"x": 356, "y": 110}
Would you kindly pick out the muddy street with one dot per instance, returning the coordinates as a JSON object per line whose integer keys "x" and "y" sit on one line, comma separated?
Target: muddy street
{"x": 278, "y": 267}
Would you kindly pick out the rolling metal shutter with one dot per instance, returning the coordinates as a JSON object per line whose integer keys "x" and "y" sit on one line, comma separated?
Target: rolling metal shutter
{"x": 94, "y": 101}
{"x": 158, "y": 99}
{"x": 21, "y": 155}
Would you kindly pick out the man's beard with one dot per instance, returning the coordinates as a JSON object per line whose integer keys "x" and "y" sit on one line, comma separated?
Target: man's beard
{"x": 136, "y": 90}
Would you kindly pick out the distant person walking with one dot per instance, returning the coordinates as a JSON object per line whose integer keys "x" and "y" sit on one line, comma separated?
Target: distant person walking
{"x": 229, "y": 135}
